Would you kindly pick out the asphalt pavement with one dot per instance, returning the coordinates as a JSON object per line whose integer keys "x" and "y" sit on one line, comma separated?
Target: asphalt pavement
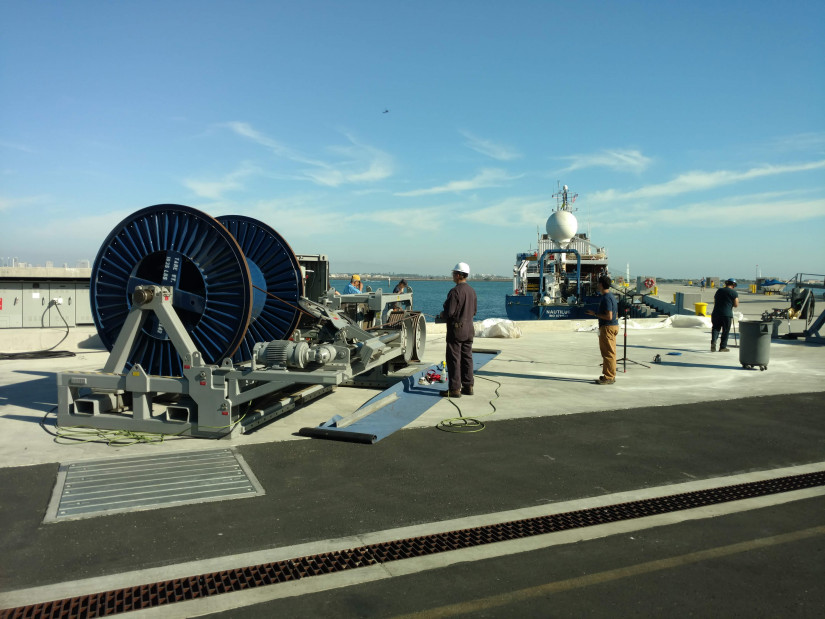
{"x": 553, "y": 443}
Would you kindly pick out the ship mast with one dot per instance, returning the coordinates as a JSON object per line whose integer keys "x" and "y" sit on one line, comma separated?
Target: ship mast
{"x": 564, "y": 199}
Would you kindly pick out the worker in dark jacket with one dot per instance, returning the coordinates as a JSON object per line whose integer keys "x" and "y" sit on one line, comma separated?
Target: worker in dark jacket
{"x": 459, "y": 308}
{"x": 721, "y": 318}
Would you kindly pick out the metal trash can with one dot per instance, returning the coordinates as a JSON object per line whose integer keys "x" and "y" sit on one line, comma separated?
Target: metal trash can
{"x": 754, "y": 343}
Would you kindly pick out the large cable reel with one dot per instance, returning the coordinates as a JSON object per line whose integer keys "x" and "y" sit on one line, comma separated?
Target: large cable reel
{"x": 219, "y": 293}
{"x": 277, "y": 282}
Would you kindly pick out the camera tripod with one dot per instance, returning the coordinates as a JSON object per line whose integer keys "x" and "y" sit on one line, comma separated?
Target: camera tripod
{"x": 624, "y": 358}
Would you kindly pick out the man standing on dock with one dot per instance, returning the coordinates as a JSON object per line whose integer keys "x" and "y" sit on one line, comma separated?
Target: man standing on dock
{"x": 459, "y": 308}
{"x": 608, "y": 316}
{"x": 355, "y": 285}
{"x": 721, "y": 317}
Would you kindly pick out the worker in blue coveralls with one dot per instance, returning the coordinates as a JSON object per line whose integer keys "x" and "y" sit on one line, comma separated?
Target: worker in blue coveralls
{"x": 355, "y": 286}
{"x": 608, "y": 315}
{"x": 400, "y": 288}
{"x": 459, "y": 308}
{"x": 721, "y": 317}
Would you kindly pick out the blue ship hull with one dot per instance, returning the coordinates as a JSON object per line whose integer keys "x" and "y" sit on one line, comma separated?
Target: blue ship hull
{"x": 523, "y": 307}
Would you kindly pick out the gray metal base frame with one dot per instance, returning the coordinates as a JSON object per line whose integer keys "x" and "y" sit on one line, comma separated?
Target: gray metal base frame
{"x": 209, "y": 401}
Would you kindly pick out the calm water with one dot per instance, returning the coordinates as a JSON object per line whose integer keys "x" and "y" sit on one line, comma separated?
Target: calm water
{"x": 429, "y": 296}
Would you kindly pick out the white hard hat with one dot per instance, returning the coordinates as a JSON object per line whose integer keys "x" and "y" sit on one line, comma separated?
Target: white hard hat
{"x": 462, "y": 267}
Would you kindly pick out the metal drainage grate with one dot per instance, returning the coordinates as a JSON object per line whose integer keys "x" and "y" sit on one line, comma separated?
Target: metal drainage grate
{"x": 194, "y": 587}
{"x": 89, "y": 489}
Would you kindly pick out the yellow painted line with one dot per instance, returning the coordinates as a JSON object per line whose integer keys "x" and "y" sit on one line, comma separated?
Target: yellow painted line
{"x": 569, "y": 584}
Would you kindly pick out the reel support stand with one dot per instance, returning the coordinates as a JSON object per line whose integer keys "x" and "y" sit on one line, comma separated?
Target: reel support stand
{"x": 198, "y": 404}
{"x": 201, "y": 317}
{"x": 212, "y": 401}
{"x": 205, "y": 402}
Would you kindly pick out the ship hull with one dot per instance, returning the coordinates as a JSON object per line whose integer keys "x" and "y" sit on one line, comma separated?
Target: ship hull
{"x": 524, "y": 307}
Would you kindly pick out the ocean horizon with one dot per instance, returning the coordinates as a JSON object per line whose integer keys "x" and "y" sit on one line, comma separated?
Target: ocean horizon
{"x": 429, "y": 295}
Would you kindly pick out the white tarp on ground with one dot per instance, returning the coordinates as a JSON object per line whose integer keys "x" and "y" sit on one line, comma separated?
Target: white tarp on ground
{"x": 702, "y": 322}
{"x": 496, "y": 327}
{"x": 674, "y": 322}
{"x": 687, "y": 322}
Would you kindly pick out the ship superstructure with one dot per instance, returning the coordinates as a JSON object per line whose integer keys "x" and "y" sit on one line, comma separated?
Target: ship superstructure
{"x": 558, "y": 279}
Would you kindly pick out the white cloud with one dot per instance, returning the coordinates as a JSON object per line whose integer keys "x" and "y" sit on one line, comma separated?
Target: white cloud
{"x": 491, "y": 149}
{"x": 735, "y": 211}
{"x": 297, "y": 216}
{"x": 361, "y": 164}
{"x": 486, "y": 178}
{"x": 408, "y": 221}
{"x": 246, "y": 130}
{"x": 214, "y": 189}
{"x": 739, "y": 214}
{"x": 7, "y": 204}
{"x": 511, "y": 212}
{"x": 54, "y": 232}
{"x": 701, "y": 181}
{"x": 621, "y": 160}
{"x": 16, "y": 146}
{"x": 811, "y": 141}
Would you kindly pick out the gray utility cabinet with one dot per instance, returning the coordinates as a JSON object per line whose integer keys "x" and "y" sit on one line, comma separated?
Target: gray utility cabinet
{"x": 83, "y": 305}
{"x": 35, "y": 304}
{"x": 63, "y": 294}
{"x": 11, "y": 305}
{"x": 40, "y": 304}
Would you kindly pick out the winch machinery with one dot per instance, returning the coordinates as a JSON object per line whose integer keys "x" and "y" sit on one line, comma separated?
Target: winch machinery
{"x": 210, "y": 332}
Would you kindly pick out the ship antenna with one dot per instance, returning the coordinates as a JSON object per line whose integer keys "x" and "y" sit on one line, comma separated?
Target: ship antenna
{"x": 564, "y": 201}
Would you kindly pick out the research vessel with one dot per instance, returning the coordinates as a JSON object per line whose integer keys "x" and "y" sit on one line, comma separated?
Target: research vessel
{"x": 559, "y": 279}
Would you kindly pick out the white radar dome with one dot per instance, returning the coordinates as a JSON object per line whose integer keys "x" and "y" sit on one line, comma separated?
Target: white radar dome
{"x": 562, "y": 226}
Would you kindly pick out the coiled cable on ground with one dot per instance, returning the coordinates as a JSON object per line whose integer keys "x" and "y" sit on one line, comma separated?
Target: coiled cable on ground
{"x": 112, "y": 438}
{"x": 37, "y": 354}
{"x": 48, "y": 353}
{"x": 468, "y": 425}
{"x": 71, "y": 435}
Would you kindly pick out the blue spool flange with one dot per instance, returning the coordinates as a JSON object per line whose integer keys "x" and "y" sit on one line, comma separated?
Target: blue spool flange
{"x": 182, "y": 248}
{"x": 276, "y": 282}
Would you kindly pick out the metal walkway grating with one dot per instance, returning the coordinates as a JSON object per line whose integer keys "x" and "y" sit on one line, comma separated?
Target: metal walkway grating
{"x": 102, "y": 487}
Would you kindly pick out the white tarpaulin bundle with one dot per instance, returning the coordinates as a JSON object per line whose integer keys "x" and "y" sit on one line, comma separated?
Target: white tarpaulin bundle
{"x": 496, "y": 327}
{"x": 696, "y": 321}
{"x": 686, "y": 322}
{"x": 671, "y": 322}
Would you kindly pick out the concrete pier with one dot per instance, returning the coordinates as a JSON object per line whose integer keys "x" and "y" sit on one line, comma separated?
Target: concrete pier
{"x": 553, "y": 443}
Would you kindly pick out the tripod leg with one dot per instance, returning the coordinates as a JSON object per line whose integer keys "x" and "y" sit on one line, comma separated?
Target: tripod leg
{"x": 624, "y": 354}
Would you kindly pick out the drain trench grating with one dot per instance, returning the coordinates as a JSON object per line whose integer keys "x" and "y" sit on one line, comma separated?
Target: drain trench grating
{"x": 97, "y": 488}
{"x": 214, "y": 583}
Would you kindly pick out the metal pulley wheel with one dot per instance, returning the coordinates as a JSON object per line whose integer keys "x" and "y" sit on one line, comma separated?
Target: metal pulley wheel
{"x": 419, "y": 337}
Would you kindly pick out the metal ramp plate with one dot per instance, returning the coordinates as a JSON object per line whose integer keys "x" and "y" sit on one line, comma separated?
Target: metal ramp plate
{"x": 392, "y": 409}
{"x": 103, "y": 487}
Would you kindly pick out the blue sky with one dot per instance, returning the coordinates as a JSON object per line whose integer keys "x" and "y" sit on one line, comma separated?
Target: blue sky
{"x": 693, "y": 132}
